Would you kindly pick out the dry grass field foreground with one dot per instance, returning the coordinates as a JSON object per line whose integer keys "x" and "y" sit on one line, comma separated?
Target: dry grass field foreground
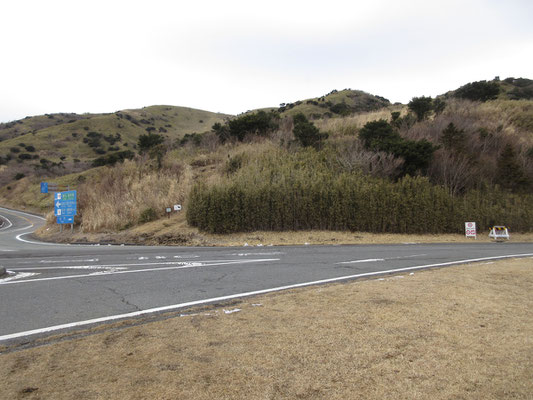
{"x": 463, "y": 332}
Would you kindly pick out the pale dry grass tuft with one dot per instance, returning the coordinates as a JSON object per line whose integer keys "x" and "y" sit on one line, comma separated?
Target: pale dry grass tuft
{"x": 350, "y": 125}
{"x": 124, "y": 192}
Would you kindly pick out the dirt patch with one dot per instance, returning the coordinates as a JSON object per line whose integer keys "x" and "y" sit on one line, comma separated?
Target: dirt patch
{"x": 461, "y": 332}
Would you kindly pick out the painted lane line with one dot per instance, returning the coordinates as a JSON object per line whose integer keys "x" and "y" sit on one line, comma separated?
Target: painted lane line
{"x": 193, "y": 256}
{"x": 381, "y": 259}
{"x": 9, "y": 222}
{"x": 22, "y": 275}
{"x": 71, "y": 259}
{"x": 65, "y": 261}
{"x": 181, "y": 265}
{"x": 362, "y": 261}
{"x": 83, "y": 267}
{"x": 143, "y": 264}
{"x": 240, "y": 295}
{"x": 19, "y": 237}
{"x": 15, "y": 212}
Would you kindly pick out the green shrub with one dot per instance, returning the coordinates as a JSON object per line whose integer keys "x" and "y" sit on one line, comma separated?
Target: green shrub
{"x": 421, "y": 106}
{"x": 303, "y": 191}
{"x": 478, "y": 91}
{"x": 306, "y": 133}
{"x": 259, "y": 123}
{"x": 149, "y": 214}
{"x": 149, "y": 141}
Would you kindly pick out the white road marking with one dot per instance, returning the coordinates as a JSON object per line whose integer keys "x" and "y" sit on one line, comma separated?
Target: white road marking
{"x": 65, "y": 261}
{"x": 362, "y": 261}
{"x": 21, "y": 212}
{"x": 19, "y": 237}
{"x": 17, "y": 276}
{"x": 194, "y": 256}
{"x": 240, "y": 295}
{"x": 68, "y": 267}
{"x": 272, "y": 253}
{"x": 380, "y": 259}
{"x": 9, "y": 222}
{"x": 177, "y": 265}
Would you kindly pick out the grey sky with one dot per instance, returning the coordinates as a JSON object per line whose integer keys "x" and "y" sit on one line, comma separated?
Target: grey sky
{"x": 232, "y": 56}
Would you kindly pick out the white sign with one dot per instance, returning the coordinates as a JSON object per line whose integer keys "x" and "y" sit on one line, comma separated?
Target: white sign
{"x": 177, "y": 207}
{"x": 470, "y": 229}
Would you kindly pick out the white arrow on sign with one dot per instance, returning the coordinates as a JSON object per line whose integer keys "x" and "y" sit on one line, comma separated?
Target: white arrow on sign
{"x": 58, "y": 204}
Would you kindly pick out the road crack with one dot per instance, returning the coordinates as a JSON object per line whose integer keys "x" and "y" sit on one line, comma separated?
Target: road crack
{"x": 123, "y": 298}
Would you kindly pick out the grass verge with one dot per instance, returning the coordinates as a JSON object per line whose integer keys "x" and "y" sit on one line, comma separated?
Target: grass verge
{"x": 461, "y": 332}
{"x": 176, "y": 231}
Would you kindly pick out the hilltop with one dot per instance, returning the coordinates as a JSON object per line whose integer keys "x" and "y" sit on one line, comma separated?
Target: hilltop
{"x": 335, "y": 103}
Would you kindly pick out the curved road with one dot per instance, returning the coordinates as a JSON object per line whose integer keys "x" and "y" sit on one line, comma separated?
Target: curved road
{"x": 56, "y": 287}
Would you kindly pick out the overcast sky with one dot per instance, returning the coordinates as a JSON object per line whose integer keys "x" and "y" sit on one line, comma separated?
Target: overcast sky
{"x": 232, "y": 56}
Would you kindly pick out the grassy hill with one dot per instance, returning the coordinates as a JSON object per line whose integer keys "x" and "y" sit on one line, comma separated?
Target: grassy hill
{"x": 482, "y": 169}
{"x": 56, "y": 144}
{"x": 507, "y": 89}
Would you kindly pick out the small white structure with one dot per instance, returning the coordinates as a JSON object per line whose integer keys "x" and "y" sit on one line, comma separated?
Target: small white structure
{"x": 499, "y": 233}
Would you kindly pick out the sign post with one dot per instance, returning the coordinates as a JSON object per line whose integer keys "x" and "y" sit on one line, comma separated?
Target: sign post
{"x": 65, "y": 208}
{"x": 470, "y": 229}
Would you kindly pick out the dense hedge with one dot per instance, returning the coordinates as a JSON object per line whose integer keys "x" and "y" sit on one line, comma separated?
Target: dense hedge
{"x": 295, "y": 197}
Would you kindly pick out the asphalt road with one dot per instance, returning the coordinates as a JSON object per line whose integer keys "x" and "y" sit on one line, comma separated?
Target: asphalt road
{"x": 55, "y": 287}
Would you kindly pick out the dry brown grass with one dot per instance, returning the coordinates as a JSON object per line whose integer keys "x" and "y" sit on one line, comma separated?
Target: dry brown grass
{"x": 462, "y": 332}
{"x": 351, "y": 124}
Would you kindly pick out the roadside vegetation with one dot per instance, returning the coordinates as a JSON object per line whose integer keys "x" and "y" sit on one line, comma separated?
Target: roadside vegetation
{"x": 346, "y": 161}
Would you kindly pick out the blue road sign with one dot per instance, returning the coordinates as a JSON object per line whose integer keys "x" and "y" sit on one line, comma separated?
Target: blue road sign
{"x": 44, "y": 187}
{"x": 65, "y": 203}
{"x": 65, "y": 219}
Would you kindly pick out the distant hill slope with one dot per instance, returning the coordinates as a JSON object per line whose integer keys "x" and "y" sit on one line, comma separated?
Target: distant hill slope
{"x": 340, "y": 103}
{"x": 85, "y": 137}
{"x": 507, "y": 89}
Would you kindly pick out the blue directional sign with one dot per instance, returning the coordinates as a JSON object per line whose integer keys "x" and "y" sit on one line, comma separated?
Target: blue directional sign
{"x": 65, "y": 203}
{"x": 65, "y": 219}
{"x": 44, "y": 187}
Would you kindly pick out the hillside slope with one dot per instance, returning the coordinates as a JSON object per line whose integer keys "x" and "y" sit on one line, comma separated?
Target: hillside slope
{"x": 56, "y": 144}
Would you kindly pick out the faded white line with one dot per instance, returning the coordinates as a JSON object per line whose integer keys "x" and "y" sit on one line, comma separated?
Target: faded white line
{"x": 362, "y": 261}
{"x": 240, "y": 295}
{"x": 380, "y": 259}
{"x": 19, "y": 237}
{"x": 14, "y": 277}
{"x": 6, "y": 227}
{"x": 180, "y": 265}
{"x": 21, "y": 212}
